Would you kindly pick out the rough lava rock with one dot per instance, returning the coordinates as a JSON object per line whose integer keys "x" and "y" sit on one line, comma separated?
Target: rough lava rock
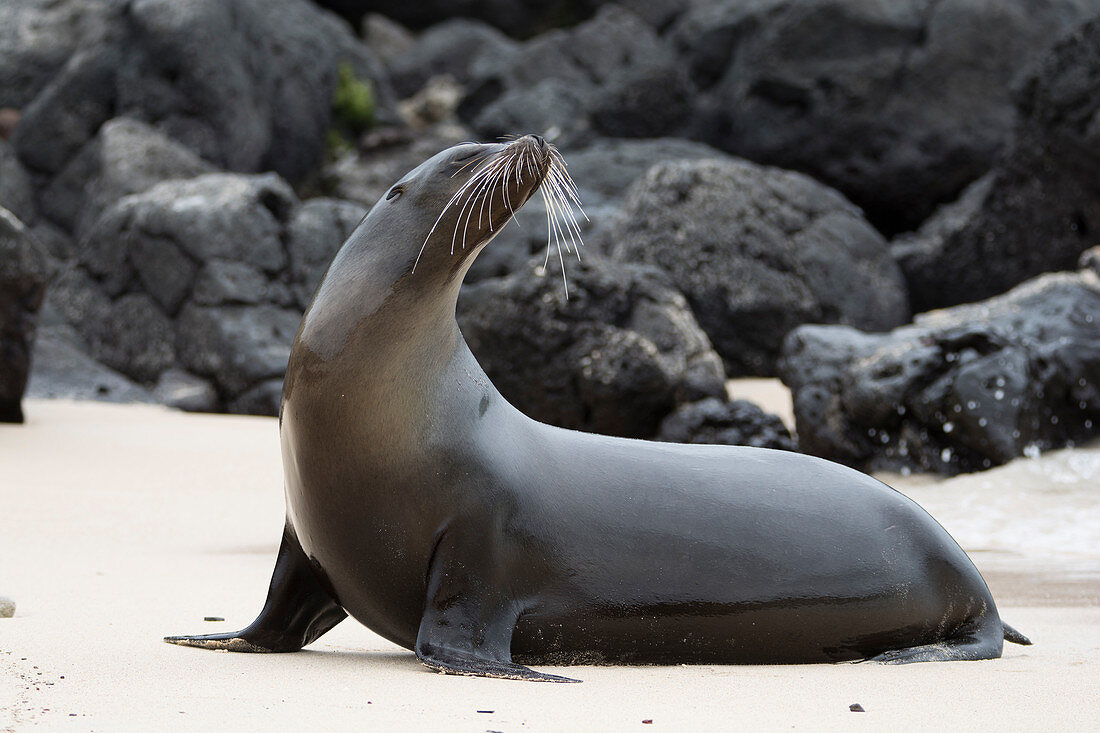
{"x": 248, "y": 84}
{"x": 1039, "y": 208}
{"x": 1090, "y": 259}
{"x": 615, "y": 357}
{"x": 611, "y": 75}
{"x": 759, "y": 251}
{"x": 516, "y": 17}
{"x": 126, "y": 156}
{"x": 37, "y": 38}
{"x": 452, "y": 47}
{"x": 62, "y": 369}
{"x": 208, "y": 276}
{"x": 16, "y": 189}
{"x": 25, "y": 269}
{"x": 898, "y": 105}
{"x": 733, "y": 422}
{"x": 960, "y": 389}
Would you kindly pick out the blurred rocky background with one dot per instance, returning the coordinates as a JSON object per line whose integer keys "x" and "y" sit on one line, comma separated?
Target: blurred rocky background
{"x": 893, "y": 207}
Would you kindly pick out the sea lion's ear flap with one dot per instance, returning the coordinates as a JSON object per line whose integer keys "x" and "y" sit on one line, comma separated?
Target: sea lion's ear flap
{"x": 467, "y": 624}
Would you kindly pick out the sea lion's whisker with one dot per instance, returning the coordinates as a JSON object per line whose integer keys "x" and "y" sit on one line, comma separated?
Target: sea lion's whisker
{"x": 565, "y": 211}
{"x": 452, "y": 200}
{"x": 485, "y": 176}
{"x": 485, "y": 190}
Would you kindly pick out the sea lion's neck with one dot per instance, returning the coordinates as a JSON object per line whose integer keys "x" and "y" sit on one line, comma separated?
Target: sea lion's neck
{"x": 390, "y": 346}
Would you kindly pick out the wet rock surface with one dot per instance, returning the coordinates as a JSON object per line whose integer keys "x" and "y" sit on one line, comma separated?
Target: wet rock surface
{"x": 759, "y": 251}
{"x": 960, "y": 389}
{"x": 615, "y": 357}
{"x": 25, "y": 269}
{"x": 1040, "y": 206}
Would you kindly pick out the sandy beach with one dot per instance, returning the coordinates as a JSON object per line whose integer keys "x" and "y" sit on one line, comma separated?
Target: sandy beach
{"x": 120, "y": 524}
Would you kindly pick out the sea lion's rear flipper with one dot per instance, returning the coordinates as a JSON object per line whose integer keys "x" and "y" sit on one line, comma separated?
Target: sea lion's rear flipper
{"x": 982, "y": 638}
{"x": 468, "y": 619}
{"x": 297, "y": 612}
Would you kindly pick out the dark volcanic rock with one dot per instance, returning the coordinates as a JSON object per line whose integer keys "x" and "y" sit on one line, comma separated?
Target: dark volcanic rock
{"x": 1090, "y": 259}
{"x": 313, "y": 236}
{"x": 63, "y": 369}
{"x": 452, "y": 48}
{"x": 184, "y": 391}
{"x": 206, "y": 276}
{"x": 37, "y": 37}
{"x": 16, "y": 190}
{"x": 237, "y": 346}
{"x": 959, "y": 390}
{"x": 612, "y": 75}
{"x": 607, "y": 167}
{"x": 517, "y": 17}
{"x": 24, "y": 272}
{"x": 248, "y": 84}
{"x": 897, "y": 104}
{"x": 759, "y": 251}
{"x": 366, "y": 174}
{"x": 735, "y": 422}
{"x": 1039, "y": 208}
{"x": 125, "y": 157}
{"x": 614, "y": 358}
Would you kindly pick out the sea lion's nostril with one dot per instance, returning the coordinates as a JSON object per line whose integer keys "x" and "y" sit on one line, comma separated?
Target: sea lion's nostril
{"x": 539, "y": 140}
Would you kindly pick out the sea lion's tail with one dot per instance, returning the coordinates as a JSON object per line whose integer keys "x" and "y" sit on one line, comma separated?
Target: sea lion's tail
{"x": 1015, "y": 636}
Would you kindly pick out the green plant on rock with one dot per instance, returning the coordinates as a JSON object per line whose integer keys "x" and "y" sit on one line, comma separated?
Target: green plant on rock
{"x": 353, "y": 107}
{"x": 353, "y": 111}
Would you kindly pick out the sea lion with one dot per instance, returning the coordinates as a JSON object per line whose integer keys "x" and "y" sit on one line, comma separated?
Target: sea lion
{"x": 423, "y": 504}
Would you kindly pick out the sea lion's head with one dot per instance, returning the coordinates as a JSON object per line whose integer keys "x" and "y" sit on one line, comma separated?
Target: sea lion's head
{"x": 454, "y": 203}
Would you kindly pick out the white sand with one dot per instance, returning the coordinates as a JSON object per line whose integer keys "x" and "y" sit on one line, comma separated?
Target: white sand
{"x": 119, "y": 525}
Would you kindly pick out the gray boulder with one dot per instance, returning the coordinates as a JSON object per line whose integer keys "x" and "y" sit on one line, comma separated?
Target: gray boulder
{"x": 897, "y": 104}
{"x": 62, "y": 369}
{"x": 195, "y": 288}
{"x": 236, "y": 347}
{"x": 605, "y": 168}
{"x": 126, "y": 156}
{"x": 452, "y": 47}
{"x": 248, "y": 84}
{"x": 611, "y": 75}
{"x": 961, "y": 389}
{"x": 516, "y": 17}
{"x": 37, "y": 38}
{"x": 313, "y": 236}
{"x": 184, "y": 391}
{"x": 615, "y": 357}
{"x": 725, "y": 422}
{"x": 1090, "y": 259}
{"x": 365, "y": 174}
{"x": 16, "y": 189}
{"x": 1039, "y": 208}
{"x": 759, "y": 251}
{"x": 25, "y": 269}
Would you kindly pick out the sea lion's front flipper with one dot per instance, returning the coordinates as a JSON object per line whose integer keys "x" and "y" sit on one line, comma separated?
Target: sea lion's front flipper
{"x": 468, "y": 620}
{"x": 297, "y": 612}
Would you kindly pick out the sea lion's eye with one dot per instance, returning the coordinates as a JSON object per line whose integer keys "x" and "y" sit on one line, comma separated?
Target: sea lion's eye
{"x": 395, "y": 192}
